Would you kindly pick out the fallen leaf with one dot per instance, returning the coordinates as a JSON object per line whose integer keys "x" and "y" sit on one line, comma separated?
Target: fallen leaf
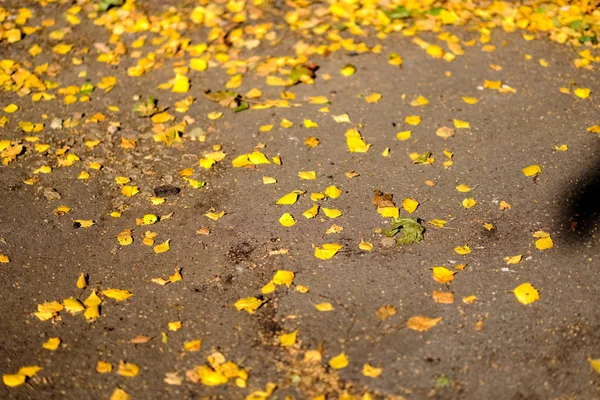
{"x": 339, "y": 362}
{"x": 421, "y": 324}
{"x": 532, "y": 170}
{"x": 442, "y": 274}
{"x": 370, "y": 371}
{"x": 51, "y": 344}
{"x": 288, "y": 339}
{"x": 526, "y": 293}
{"x": 327, "y": 250}
{"x": 324, "y": 307}
{"x": 249, "y": 304}
{"x": 385, "y": 311}
{"x": 443, "y": 297}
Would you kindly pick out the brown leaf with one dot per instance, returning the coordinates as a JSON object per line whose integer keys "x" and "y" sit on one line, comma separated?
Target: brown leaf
{"x": 141, "y": 339}
{"x": 381, "y": 199}
{"x": 443, "y": 297}
{"x": 445, "y": 132}
{"x": 385, "y": 311}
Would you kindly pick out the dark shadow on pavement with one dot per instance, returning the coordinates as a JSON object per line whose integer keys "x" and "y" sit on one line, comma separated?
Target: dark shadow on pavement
{"x": 579, "y": 221}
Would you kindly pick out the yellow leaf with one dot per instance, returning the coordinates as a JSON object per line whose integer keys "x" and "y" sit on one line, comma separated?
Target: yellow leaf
{"x": 419, "y": 101}
{"x": 492, "y": 84}
{"x": 256, "y": 158}
{"x": 331, "y": 212}
{"x": 62, "y": 48}
{"x": 127, "y": 369}
{"x": 458, "y": 124}
{"x": 11, "y": 108}
{"x": 174, "y": 326}
{"x": 214, "y": 115}
{"x": 117, "y": 294}
{"x": 265, "y": 128}
{"x": 389, "y": 212}
{"x": 318, "y": 100}
{"x": 327, "y": 250}
{"x": 51, "y": 344}
{"x": 119, "y": 394}
{"x": 214, "y": 216}
{"x": 311, "y": 141}
{"x": 462, "y": 250}
{"x": 470, "y": 100}
{"x": 73, "y": 306}
{"x": 102, "y": 367}
{"x": 267, "y": 180}
{"x": 410, "y": 205}
{"x": 249, "y": 304}
{"x": 404, "y": 135}
{"x": 463, "y": 188}
{"x": 582, "y": 93}
{"x": 254, "y": 93}
{"x": 287, "y": 220}
{"x": 324, "y": 307}
{"x": 311, "y": 212}
{"x": 373, "y": 98}
{"x": 594, "y": 129}
{"x": 181, "y": 84}
{"x": 29, "y": 371}
{"x": 468, "y": 203}
{"x": 421, "y": 324}
{"x": 122, "y": 180}
{"x": 532, "y": 170}
{"x": 130, "y": 190}
{"x": 385, "y": 311}
{"x": 290, "y": 198}
{"x": 4, "y": 259}
{"x": 413, "y": 120}
{"x": 192, "y": 345}
{"x": 84, "y": 223}
{"x": 514, "y": 259}
{"x": 355, "y": 142}
{"x": 365, "y": 246}
{"x": 310, "y": 124}
{"x": 162, "y": 117}
{"x": 317, "y": 196}
{"x": 562, "y": 147}
{"x": 469, "y": 299}
{"x": 443, "y": 297}
{"x": 283, "y": 277}
{"x": 442, "y": 274}
{"x": 348, "y": 70}
{"x": 307, "y": 175}
{"x": 268, "y": 288}
{"x": 370, "y": 371}
{"x": 82, "y": 281}
{"x": 198, "y": 64}
{"x": 12, "y": 380}
{"x": 286, "y": 123}
{"x": 333, "y": 192}
{"x": 339, "y": 362}
{"x": 288, "y": 339}
{"x": 595, "y": 364}
{"x": 162, "y": 248}
{"x": 302, "y": 289}
{"x": 544, "y": 243}
{"x": 526, "y": 293}
{"x": 341, "y": 118}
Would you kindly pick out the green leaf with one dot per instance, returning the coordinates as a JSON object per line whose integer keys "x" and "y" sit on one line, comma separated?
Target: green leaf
{"x": 105, "y": 5}
{"x": 243, "y": 106}
{"x": 399, "y": 12}
{"x": 411, "y": 231}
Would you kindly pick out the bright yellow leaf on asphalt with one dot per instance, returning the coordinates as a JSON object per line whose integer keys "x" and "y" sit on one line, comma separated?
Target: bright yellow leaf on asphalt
{"x": 162, "y": 248}
{"x": 13, "y": 380}
{"x": 248, "y": 304}
{"x": 422, "y": 324}
{"x": 324, "y": 307}
{"x": 462, "y": 250}
{"x": 594, "y": 129}
{"x": 11, "y": 108}
{"x": 389, "y": 212}
{"x": 348, "y": 70}
{"x": 214, "y": 216}
{"x": 371, "y": 371}
{"x": 526, "y": 293}
{"x": 119, "y": 394}
{"x": 365, "y": 246}
{"x": 257, "y": 158}
{"x": 198, "y": 64}
{"x": 463, "y": 188}
{"x": 413, "y": 120}
{"x": 410, "y": 205}
{"x": 310, "y": 124}
{"x": 468, "y": 203}
{"x": 73, "y": 306}
{"x": 265, "y": 128}
{"x": 318, "y": 100}
{"x": 117, "y": 294}
{"x": 532, "y": 170}
{"x": 543, "y": 242}
{"x": 181, "y": 84}
{"x": 327, "y": 250}
{"x": 51, "y": 344}
{"x": 102, "y": 367}
{"x": 442, "y": 274}
{"x": 514, "y": 259}
{"x": 331, "y": 212}
{"x": 307, "y": 175}
{"x": 174, "y": 326}
{"x": 192, "y": 345}
{"x": 419, "y": 101}
{"x": 127, "y": 369}
{"x": 470, "y": 100}
{"x": 595, "y": 364}
{"x": 286, "y": 123}
{"x": 311, "y": 212}
{"x": 311, "y": 141}
{"x": 84, "y": 223}
{"x": 333, "y": 192}
{"x": 129, "y": 190}
{"x": 373, "y": 98}
{"x": 582, "y": 93}
{"x": 287, "y": 220}
{"x": 283, "y": 277}
{"x": 288, "y": 339}
{"x": 404, "y": 135}
{"x": 290, "y": 198}
{"x": 355, "y": 142}
{"x": 62, "y": 48}
{"x": 339, "y": 362}
{"x": 458, "y": 124}
{"x": 214, "y": 115}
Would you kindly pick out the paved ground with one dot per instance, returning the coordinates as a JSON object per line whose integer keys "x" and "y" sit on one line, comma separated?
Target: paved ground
{"x": 491, "y": 348}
